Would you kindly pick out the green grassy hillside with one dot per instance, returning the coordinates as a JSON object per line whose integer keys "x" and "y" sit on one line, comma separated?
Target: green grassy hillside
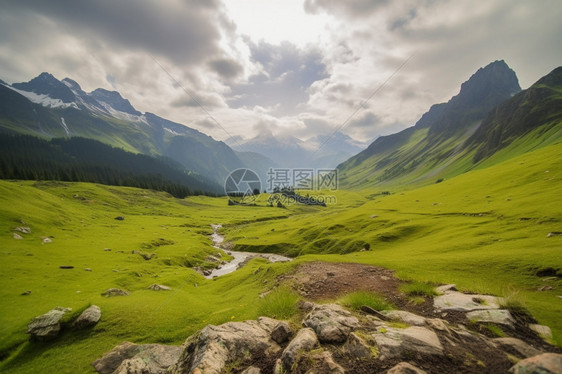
{"x": 79, "y": 218}
{"x": 485, "y": 230}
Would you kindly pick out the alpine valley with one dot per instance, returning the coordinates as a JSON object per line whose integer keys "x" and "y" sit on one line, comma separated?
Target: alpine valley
{"x": 439, "y": 252}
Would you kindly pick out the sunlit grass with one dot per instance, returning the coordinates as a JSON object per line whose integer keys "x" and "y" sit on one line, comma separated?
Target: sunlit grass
{"x": 358, "y": 299}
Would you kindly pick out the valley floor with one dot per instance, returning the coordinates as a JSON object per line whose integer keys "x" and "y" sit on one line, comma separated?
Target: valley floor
{"x": 491, "y": 231}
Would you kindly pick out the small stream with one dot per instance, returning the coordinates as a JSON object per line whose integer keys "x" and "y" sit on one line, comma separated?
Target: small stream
{"x": 239, "y": 257}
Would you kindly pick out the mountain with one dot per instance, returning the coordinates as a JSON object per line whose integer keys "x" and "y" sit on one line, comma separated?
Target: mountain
{"x": 321, "y": 151}
{"x": 87, "y": 160}
{"x": 445, "y": 140}
{"x": 539, "y": 108}
{"x": 49, "y": 108}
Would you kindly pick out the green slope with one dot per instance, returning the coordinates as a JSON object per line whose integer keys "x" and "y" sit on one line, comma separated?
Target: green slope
{"x": 147, "y": 134}
{"x": 450, "y": 139}
{"x": 485, "y": 230}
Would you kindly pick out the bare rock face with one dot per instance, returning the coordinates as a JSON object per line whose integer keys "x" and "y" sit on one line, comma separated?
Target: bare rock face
{"x": 129, "y": 358}
{"x": 281, "y": 332}
{"x": 215, "y": 347}
{"x": 47, "y": 326}
{"x": 158, "y": 287}
{"x": 405, "y": 317}
{"x": 405, "y": 368}
{"x": 497, "y": 316}
{"x": 333, "y": 340}
{"x": 89, "y": 317}
{"x": 453, "y": 300}
{"x": 305, "y": 341}
{"x": 546, "y": 363}
{"x": 331, "y": 323}
{"x": 115, "y": 292}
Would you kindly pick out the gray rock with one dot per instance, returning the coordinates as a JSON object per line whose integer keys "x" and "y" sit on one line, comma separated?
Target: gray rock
{"x": 305, "y": 340}
{"x": 158, "y": 287}
{"x": 87, "y": 269}
{"x": 129, "y": 358}
{"x": 547, "y": 363}
{"x": 115, "y": 292}
{"x": 47, "y": 240}
{"x": 497, "y": 316}
{"x": 89, "y": 317}
{"x": 17, "y": 236}
{"x": 215, "y": 347}
{"x": 438, "y": 324}
{"x": 25, "y": 293}
{"x": 252, "y": 370}
{"x": 47, "y": 326}
{"x": 445, "y": 288}
{"x": 513, "y": 345}
{"x": 23, "y": 229}
{"x": 395, "y": 343}
{"x": 405, "y": 368}
{"x": 281, "y": 332}
{"x": 405, "y": 317}
{"x": 543, "y": 331}
{"x": 453, "y": 300}
{"x": 357, "y": 348}
{"x": 331, "y": 323}
{"x": 321, "y": 363}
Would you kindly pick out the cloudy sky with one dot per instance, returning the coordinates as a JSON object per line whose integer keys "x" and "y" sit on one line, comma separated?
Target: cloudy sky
{"x": 297, "y": 67}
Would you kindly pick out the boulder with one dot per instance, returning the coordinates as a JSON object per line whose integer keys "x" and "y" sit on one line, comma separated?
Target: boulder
{"x": 115, "y": 292}
{"x": 281, "y": 332}
{"x": 23, "y": 229}
{"x": 46, "y": 240}
{"x": 47, "y": 326}
{"x": 453, "y": 300}
{"x": 320, "y": 363}
{"x": 546, "y": 363}
{"x": 129, "y": 358}
{"x": 445, "y": 288}
{"x": 397, "y": 343}
{"x": 405, "y": 317}
{"x": 358, "y": 348}
{"x": 543, "y": 331}
{"x": 158, "y": 287}
{"x": 215, "y": 347}
{"x": 497, "y": 316}
{"x": 252, "y": 370}
{"x": 516, "y": 346}
{"x": 304, "y": 341}
{"x": 89, "y": 317}
{"x": 405, "y": 368}
{"x": 17, "y": 236}
{"x": 331, "y": 323}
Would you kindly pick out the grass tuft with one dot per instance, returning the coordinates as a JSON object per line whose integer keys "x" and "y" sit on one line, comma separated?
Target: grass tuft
{"x": 280, "y": 304}
{"x": 419, "y": 289}
{"x": 357, "y": 299}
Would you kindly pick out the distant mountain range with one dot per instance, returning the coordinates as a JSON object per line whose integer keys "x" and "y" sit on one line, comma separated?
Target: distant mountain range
{"x": 321, "y": 151}
{"x": 490, "y": 120}
{"x": 49, "y": 108}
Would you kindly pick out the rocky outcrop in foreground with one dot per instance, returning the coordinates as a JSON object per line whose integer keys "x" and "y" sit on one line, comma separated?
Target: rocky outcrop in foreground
{"x": 331, "y": 339}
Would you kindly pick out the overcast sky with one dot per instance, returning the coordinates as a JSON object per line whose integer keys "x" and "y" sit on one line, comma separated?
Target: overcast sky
{"x": 296, "y": 67}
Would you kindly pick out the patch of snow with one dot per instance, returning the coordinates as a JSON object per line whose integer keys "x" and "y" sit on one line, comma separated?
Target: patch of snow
{"x": 44, "y": 100}
{"x": 64, "y": 126}
{"x": 172, "y": 131}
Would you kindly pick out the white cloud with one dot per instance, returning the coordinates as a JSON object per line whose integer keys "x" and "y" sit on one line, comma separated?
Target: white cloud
{"x": 301, "y": 67}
